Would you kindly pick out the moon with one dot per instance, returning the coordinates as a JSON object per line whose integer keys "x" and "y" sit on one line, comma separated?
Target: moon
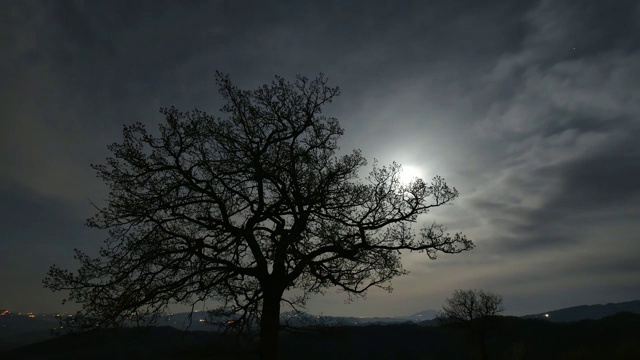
{"x": 409, "y": 173}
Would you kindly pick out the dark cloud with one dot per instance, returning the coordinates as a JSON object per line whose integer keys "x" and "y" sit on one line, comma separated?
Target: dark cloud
{"x": 604, "y": 180}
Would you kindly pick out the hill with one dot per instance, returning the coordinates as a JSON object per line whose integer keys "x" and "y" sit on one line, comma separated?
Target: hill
{"x": 613, "y": 337}
{"x": 19, "y": 331}
{"x": 157, "y": 342}
{"x": 587, "y": 312}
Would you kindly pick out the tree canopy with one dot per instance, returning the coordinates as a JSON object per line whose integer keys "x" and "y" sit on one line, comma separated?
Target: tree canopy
{"x": 241, "y": 208}
{"x": 471, "y": 305}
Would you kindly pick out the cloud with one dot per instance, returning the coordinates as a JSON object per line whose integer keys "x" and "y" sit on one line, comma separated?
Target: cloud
{"x": 566, "y": 126}
{"x": 44, "y": 144}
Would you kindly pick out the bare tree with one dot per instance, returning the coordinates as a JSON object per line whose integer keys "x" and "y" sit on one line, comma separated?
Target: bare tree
{"x": 470, "y": 305}
{"x": 241, "y": 209}
{"x": 475, "y": 310}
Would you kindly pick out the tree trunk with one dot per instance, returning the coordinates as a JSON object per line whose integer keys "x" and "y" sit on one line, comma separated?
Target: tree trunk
{"x": 270, "y": 326}
{"x": 483, "y": 345}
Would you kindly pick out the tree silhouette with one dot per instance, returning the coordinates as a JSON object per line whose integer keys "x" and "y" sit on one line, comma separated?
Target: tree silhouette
{"x": 475, "y": 310}
{"x": 240, "y": 210}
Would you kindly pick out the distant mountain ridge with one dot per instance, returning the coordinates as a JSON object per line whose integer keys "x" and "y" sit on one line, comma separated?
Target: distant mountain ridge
{"x": 352, "y": 320}
{"x": 613, "y": 337}
{"x": 587, "y": 312}
{"x": 427, "y": 317}
{"x": 17, "y": 330}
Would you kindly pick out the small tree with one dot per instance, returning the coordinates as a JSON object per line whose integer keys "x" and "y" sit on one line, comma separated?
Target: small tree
{"x": 474, "y": 310}
{"x": 470, "y": 305}
{"x": 241, "y": 209}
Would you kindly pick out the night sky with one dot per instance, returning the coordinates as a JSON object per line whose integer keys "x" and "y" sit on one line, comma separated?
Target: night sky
{"x": 531, "y": 109}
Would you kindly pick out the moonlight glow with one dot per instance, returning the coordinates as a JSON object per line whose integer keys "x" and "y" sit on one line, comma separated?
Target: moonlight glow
{"x": 409, "y": 173}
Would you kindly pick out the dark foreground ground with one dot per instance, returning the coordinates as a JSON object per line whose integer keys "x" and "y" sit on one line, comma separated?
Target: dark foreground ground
{"x": 614, "y": 337}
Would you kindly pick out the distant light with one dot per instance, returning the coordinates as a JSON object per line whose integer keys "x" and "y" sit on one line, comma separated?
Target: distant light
{"x": 546, "y": 315}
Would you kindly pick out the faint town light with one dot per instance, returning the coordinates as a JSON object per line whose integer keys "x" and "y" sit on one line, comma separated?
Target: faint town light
{"x": 546, "y": 315}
